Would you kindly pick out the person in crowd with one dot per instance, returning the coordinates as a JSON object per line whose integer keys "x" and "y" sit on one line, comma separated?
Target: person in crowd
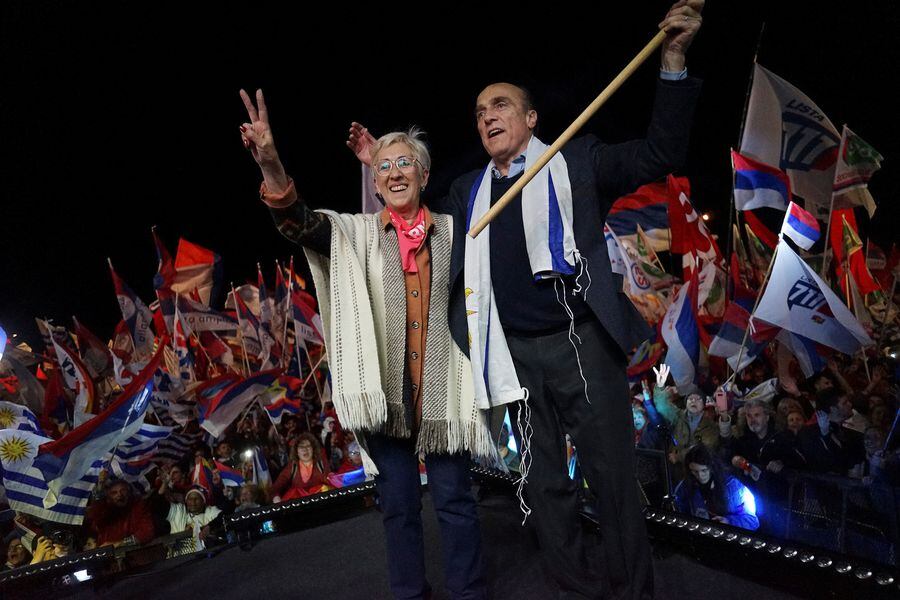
{"x": 828, "y": 446}
{"x": 120, "y": 517}
{"x": 352, "y": 458}
{"x": 710, "y": 492}
{"x": 788, "y": 439}
{"x": 250, "y": 496}
{"x": 57, "y": 541}
{"x": 196, "y": 516}
{"x": 306, "y": 474}
{"x": 225, "y": 453}
{"x": 391, "y": 290}
{"x": 691, "y": 425}
{"x": 17, "y": 555}
{"x": 756, "y": 447}
{"x": 783, "y": 407}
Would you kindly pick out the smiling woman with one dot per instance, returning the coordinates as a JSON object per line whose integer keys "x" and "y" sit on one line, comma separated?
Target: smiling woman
{"x": 385, "y": 282}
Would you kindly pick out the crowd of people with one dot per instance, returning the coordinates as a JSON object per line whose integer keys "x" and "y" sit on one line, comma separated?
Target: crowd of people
{"x": 306, "y": 453}
{"x": 734, "y": 452}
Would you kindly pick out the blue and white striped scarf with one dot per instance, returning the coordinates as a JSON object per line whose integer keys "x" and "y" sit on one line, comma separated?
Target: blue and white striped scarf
{"x": 550, "y": 242}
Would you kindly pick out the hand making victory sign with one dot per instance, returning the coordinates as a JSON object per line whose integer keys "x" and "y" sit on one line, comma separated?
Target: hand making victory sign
{"x": 257, "y": 138}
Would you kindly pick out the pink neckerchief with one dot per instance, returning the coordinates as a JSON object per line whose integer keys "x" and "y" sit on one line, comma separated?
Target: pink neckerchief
{"x": 410, "y": 238}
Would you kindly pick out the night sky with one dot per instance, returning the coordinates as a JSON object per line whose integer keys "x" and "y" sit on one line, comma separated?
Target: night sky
{"x": 115, "y": 119}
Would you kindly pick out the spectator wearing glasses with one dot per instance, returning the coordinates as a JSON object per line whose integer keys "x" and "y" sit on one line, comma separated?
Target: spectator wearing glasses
{"x": 305, "y": 474}
{"x": 385, "y": 285}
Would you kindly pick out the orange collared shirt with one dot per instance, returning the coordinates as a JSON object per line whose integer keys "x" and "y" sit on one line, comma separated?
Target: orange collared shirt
{"x": 418, "y": 294}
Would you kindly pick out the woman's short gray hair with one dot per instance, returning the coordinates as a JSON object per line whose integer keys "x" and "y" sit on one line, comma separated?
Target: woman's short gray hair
{"x": 412, "y": 138}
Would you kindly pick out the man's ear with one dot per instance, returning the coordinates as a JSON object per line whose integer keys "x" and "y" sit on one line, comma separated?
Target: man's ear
{"x": 531, "y": 118}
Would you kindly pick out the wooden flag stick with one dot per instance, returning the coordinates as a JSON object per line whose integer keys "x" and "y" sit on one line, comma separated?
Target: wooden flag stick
{"x": 569, "y": 133}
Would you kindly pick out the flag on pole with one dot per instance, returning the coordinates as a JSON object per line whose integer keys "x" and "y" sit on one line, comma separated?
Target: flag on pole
{"x": 689, "y": 234}
{"x": 196, "y": 268}
{"x": 857, "y": 161}
{"x": 95, "y": 353}
{"x": 163, "y": 281}
{"x": 800, "y": 226}
{"x": 26, "y": 486}
{"x": 647, "y": 207}
{"x": 804, "y": 350}
{"x": 16, "y": 416}
{"x": 135, "y": 314}
{"x": 225, "y": 407}
{"x": 786, "y": 129}
{"x": 757, "y": 184}
{"x": 77, "y": 378}
{"x": 66, "y": 460}
{"x": 230, "y": 477}
{"x": 680, "y": 331}
{"x": 847, "y": 248}
{"x": 797, "y": 300}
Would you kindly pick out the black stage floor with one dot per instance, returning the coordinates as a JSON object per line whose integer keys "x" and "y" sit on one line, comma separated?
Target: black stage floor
{"x": 346, "y": 560}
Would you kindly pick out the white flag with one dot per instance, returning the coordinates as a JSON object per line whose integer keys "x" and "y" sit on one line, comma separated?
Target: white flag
{"x": 796, "y": 299}
{"x": 784, "y": 128}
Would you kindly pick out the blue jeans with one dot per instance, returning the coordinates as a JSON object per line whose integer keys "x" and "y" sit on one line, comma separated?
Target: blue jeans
{"x": 400, "y": 493}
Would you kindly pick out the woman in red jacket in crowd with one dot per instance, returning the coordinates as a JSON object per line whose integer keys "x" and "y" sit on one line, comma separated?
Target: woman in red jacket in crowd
{"x": 305, "y": 474}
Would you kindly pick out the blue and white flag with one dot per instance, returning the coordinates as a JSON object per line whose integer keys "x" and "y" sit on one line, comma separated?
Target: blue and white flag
{"x": 134, "y": 473}
{"x": 261, "y": 475}
{"x": 785, "y": 129}
{"x": 800, "y": 226}
{"x": 26, "y": 486}
{"x": 16, "y": 416}
{"x": 143, "y": 444}
{"x": 757, "y": 184}
{"x": 797, "y": 300}
{"x": 804, "y": 350}
{"x": 64, "y": 461}
{"x": 680, "y": 332}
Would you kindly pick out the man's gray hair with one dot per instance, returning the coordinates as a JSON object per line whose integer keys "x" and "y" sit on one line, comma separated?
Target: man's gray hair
{"x": 759, "y": 403}
{"x": 412, "y": 138}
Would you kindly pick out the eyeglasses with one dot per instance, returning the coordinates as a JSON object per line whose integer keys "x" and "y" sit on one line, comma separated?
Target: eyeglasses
{"x": 404, "y": 164}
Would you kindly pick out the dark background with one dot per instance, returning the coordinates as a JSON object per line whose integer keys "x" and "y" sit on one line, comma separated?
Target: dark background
{"x": 117, "y": 118}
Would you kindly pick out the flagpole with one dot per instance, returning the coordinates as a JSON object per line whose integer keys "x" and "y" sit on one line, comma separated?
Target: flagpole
{"x": 237, "y": 312}
{"x": 831, "y": 208}
{"x": 735, "y": 214}
{"x": 755, "y": 305}
{"x": 569, "y": 133}
{"x": 274, "y": 426}
{"x": 290, "y": 301}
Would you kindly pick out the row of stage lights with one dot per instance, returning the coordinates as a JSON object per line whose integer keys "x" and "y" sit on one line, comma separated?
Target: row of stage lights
{"x": 843, "y": 567}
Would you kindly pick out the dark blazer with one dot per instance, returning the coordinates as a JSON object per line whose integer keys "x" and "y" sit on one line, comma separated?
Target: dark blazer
{"x": 599, "y": 174}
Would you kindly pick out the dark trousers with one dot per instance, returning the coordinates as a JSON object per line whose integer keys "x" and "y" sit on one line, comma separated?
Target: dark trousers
{"x": 603, "y": 432}
{"x": 400, "y": 494}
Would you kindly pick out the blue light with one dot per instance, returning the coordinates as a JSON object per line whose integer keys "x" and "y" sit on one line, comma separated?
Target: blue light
{"x": 749, "y": 501}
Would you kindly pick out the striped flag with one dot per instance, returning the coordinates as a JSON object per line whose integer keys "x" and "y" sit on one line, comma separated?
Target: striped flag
{"x": 757, "y": 184}
{"x": 230, "y": 477}
{"x": 680, "y": 331}
{"x": 26, "y": 485}
{"x": 800, "y": 226}
{"x": 143, "y": 444}
{"x": 16, "y": 416}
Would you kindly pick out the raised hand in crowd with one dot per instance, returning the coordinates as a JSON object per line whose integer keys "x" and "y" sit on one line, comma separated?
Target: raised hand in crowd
{"x": 257, "y": 138}
{"x": 42, "y": 551}
{"x": 662, "y": 374}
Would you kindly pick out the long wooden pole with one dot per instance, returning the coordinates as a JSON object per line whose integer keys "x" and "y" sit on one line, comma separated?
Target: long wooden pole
{"x": 569, "y": 133}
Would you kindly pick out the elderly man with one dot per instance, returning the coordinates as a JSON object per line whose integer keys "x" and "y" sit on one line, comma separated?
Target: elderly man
{"x": 120, "y": 517}
{"x": 549, "y": 326}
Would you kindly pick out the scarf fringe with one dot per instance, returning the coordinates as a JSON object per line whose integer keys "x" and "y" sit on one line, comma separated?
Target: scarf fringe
{"x": 397, "y": 425}
{"x": 451, "y": 437}
{"x": 364, "y": 411}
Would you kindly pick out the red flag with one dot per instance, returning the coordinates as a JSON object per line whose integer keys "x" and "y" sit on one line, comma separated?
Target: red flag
{"x": 857, "y": 259}
{"x": 689, "y": 234}
{"x": 765, "y": 235}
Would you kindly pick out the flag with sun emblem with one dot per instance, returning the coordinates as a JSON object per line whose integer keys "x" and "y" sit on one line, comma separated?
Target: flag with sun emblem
{"x": 16, "y": 416}
{"x": 26, "y": 487}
